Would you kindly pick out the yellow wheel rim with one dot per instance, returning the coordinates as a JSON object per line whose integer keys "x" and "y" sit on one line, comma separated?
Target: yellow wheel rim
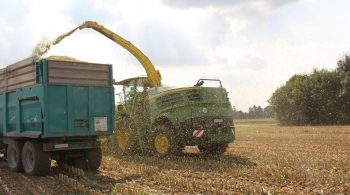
{"x": 122, "y": 139}
{"x": 161, "y": 143}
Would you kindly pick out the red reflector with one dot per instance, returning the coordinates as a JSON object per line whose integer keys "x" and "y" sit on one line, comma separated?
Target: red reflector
{"x": 197, "y": 133}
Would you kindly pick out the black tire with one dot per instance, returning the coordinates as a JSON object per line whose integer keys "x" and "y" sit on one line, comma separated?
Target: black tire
{"x": 94, "y": 157}
{"x": 91, "y": 160}
{"x": 35, "y": 161}
{"x": 164, "y": 141}
{"x": 14, "y": 155}
{"x": 213, "y": 149}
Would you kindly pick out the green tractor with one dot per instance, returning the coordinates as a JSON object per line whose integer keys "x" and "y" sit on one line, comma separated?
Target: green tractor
{"x": 163, "y": 120}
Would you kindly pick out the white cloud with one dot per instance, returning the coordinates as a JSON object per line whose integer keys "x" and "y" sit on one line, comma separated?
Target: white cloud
{"x": 48, "y": 21}
{"x": 5, "y": 27}
{"x": 227, "y": 3}
{"x": 251, "y": 62}
{"x": 253, "y": 46}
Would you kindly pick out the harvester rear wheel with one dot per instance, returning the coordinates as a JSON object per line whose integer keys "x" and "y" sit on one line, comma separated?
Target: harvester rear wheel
{"x": 35, "y": 161}
{"x": 14, "y": 155}
{"x": 164, "y": 141}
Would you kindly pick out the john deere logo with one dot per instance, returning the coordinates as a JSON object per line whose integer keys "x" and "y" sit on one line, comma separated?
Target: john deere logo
{"x": 205, "y": 110}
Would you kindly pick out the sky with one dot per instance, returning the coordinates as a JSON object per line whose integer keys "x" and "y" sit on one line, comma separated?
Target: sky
{"x": 253, "y": 46}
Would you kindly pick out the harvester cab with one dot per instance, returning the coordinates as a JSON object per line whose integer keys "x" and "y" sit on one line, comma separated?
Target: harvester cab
{"x": 132, "y": 86}
{"x": 134, "y": 91}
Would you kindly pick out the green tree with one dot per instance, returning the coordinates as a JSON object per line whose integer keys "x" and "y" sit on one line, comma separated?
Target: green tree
{"x": 324, "y": 98}
{"x": 321, "y": 97}
{"x": 291, "y": 100}
{"x": 343, "y": 70}
{"x": 256, "y": 112}
{"x": 269, "y": 112}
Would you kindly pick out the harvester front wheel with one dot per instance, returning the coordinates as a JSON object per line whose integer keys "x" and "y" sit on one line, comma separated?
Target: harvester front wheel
{"x": 164, "y": 141}
{"x": 14, "y": 155}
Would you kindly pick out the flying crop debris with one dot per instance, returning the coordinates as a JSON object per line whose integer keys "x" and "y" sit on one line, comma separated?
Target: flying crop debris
{"x": 43, "y": 46}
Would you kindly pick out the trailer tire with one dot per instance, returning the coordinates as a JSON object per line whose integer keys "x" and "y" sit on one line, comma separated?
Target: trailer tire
{"x": 14, "y": 155}
{"x": 91, "y": 160}
{"x": 35, "y": 160}
{"x": 94, "y": 157}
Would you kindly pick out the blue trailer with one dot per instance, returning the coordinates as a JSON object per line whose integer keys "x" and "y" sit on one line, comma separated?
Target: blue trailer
{"x": 54, "y": 110}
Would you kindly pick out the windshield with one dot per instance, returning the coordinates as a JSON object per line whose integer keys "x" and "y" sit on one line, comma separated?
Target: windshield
{"x": 156, "y": 90}
{"x": 132, "y": 86}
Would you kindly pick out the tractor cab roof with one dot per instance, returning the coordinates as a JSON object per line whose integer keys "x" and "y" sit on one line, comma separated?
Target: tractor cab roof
{"x": 135, "y": 81}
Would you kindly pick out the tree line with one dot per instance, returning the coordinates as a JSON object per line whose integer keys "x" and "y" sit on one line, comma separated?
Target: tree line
{"x": 254, "y": 113}
{"x": 322, "y": 97}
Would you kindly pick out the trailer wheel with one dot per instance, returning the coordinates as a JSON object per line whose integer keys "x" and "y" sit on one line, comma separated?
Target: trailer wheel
{"x": 35, "y": 160}
{"x": 14, "y": 155}
{"x": 91, "y": 160}
{"x": 213, "y": 149}
{"x": 94, "y": 157}
{"x": 164, "y": 141}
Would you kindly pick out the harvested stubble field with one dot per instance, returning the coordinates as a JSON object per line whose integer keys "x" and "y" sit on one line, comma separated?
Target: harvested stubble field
{"x": 265, "y": 158}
